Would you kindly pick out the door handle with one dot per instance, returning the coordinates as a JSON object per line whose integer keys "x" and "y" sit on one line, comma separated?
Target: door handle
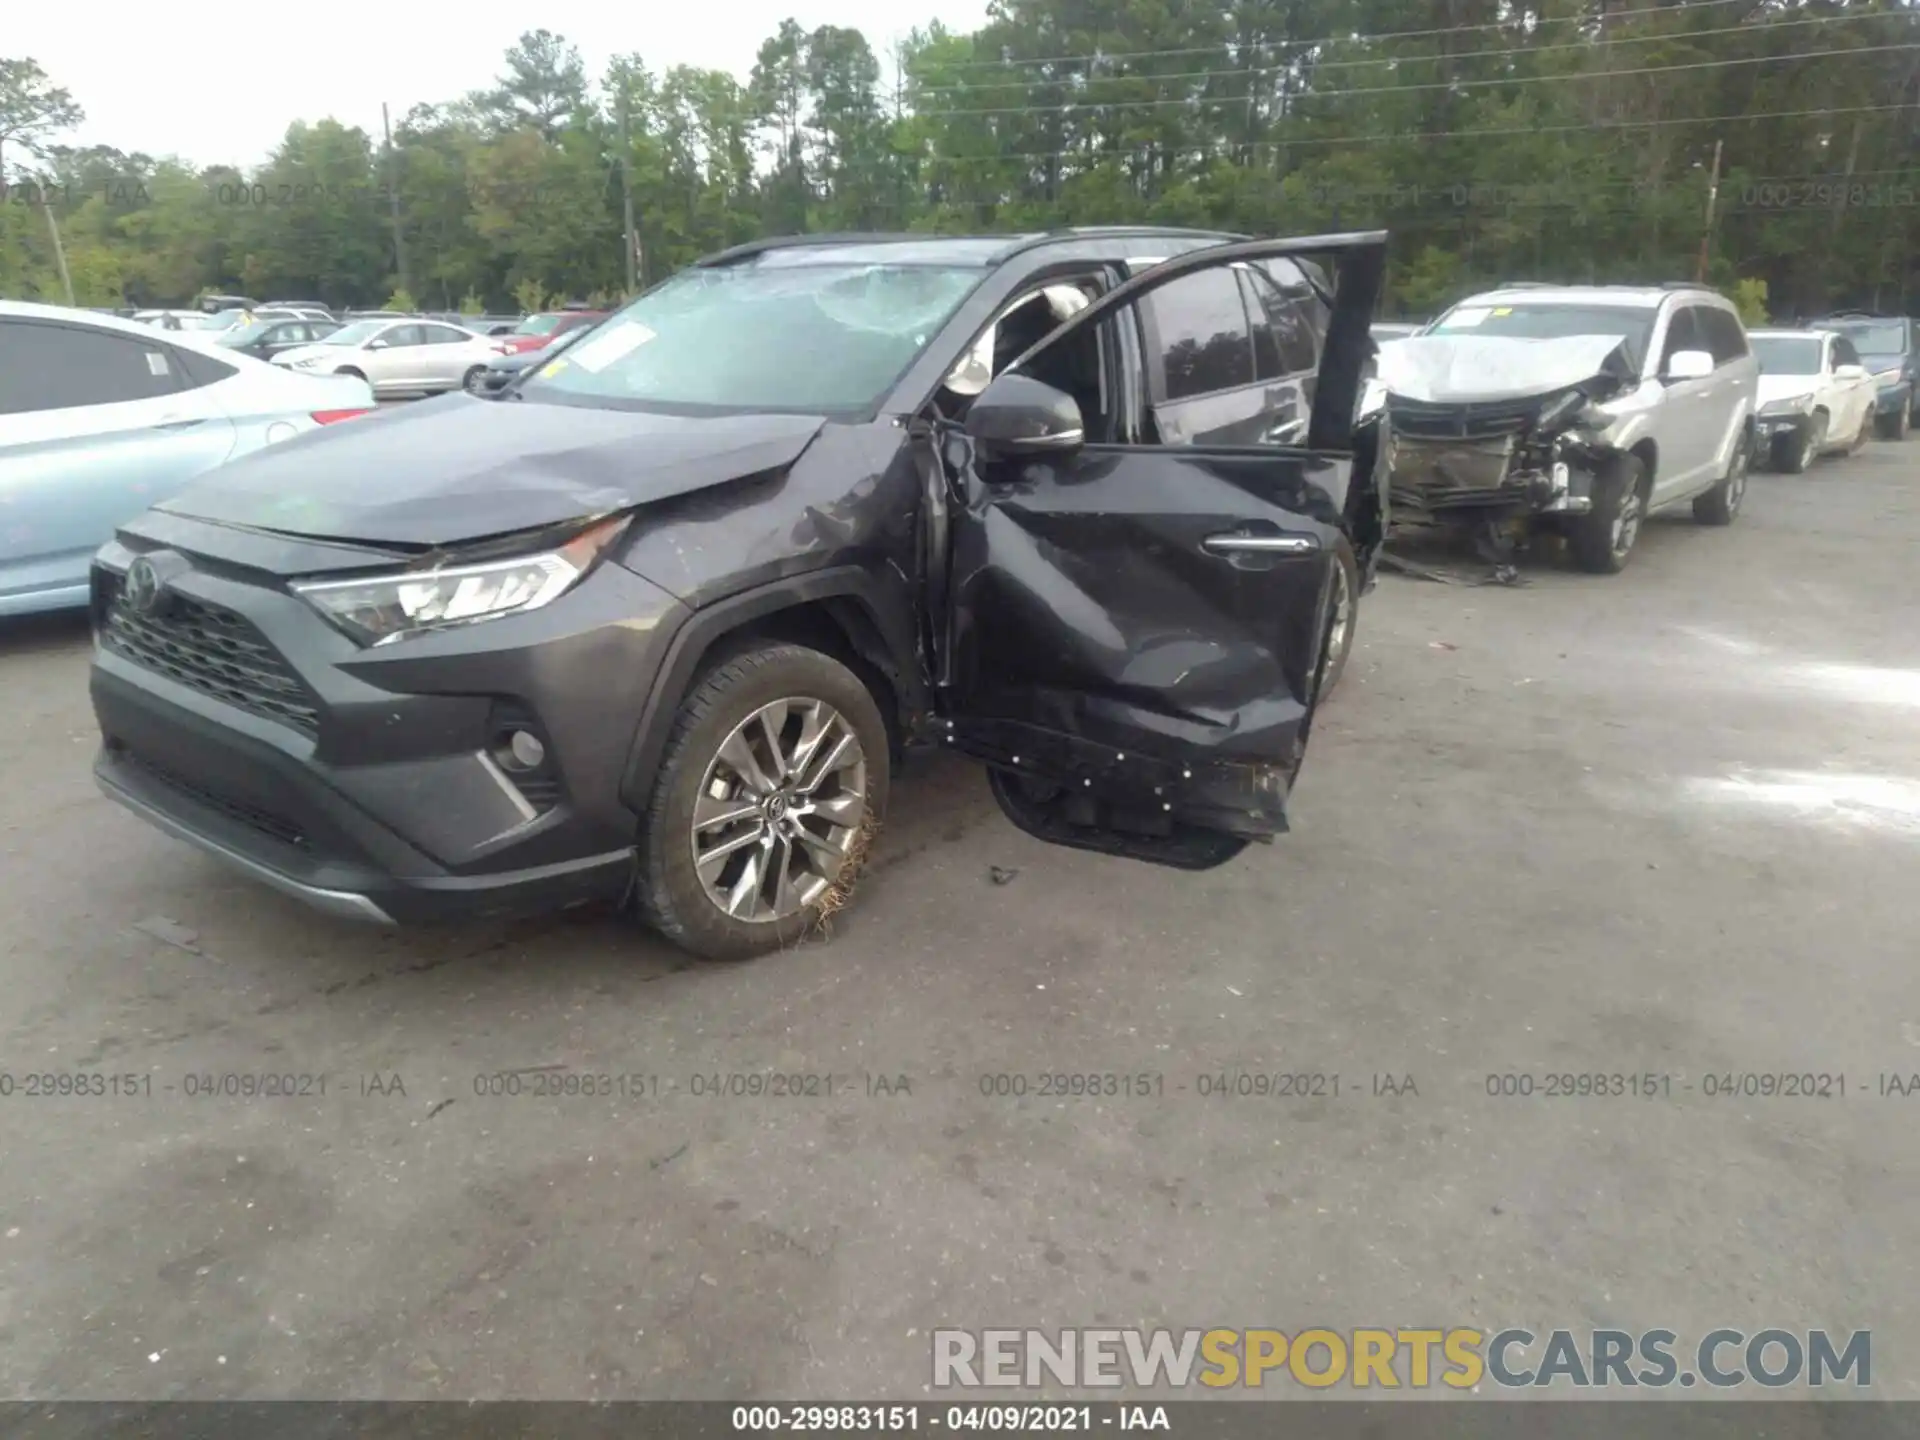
{"x": 1231, "y": 543}
{"x": 177, "y": 422}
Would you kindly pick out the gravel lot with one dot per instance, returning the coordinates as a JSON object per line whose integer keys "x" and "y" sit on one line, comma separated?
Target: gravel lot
{"x": 1663, "y": 822}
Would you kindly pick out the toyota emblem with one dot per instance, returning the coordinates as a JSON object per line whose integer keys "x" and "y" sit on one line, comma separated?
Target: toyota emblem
{"x": 143, "y": 587}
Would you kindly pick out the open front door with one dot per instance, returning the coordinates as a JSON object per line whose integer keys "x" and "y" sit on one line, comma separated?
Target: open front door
{"x": 1136, "y": 630}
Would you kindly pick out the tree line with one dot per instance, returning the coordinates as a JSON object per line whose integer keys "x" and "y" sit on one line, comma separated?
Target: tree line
{"x": 1562, "y": 140}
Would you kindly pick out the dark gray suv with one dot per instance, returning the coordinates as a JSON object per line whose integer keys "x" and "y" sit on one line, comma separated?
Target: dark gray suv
{"x": 659, "y": 619}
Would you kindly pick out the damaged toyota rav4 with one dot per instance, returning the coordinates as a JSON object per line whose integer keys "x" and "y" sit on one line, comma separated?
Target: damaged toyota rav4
{"x": 658, "y": 621}
{"x": 1576, "y": 410}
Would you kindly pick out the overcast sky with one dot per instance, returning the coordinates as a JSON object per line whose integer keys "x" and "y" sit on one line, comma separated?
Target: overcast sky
{"x": 217, "y": 81}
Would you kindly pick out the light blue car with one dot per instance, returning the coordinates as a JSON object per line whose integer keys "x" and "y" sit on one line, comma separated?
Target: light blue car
{"x": 101, "y": 418}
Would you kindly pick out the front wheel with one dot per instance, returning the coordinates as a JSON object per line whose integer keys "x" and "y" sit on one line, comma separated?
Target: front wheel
{"x": 1602, "y": 539}
{"x": 1720, "y": 504}
{"x": 470, "y": 382}
{"x": 769, "y": 792}
{"x": 1794, "y": 457}
{"x": 1896, "y": 426}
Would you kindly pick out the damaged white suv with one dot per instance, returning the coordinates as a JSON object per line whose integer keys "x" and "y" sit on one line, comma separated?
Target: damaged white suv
{"x": 1576, "y": 409}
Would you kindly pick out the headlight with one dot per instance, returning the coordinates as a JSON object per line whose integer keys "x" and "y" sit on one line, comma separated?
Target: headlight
{"x": 1791, "y": 405}
{"x": 1563, "y": 410}
{"x": 377, "y": 609}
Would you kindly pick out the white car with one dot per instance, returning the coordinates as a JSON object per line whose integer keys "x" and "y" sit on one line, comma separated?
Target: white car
{"x": 1815, "y": 396}
{"x": 101, "y": 418}
{"x": 399, "y": 357}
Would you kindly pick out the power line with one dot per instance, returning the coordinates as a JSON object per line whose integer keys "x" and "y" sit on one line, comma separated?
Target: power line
{"x": 1228, "y": 46}
{"x": 1319, "y": 65}
{"x": 1351, "y": 92}
{"x": 1312, "y": 140}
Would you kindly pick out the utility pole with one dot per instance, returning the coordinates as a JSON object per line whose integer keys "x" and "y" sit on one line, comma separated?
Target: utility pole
{"x": 59, "y": 250}
{"x": 1713, "y": 197}
{"x": 393, "y": 203}
{"x": 626, "y": 196}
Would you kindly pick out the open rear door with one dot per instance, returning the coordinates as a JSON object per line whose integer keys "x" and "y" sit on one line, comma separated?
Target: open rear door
{"x": 1136, "y": 630}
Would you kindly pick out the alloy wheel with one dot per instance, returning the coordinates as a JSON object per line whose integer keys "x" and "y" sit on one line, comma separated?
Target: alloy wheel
{"x": 1626, "y": 523}
{"x": 1737, "y": 476}
{"x": 779, "y": 809}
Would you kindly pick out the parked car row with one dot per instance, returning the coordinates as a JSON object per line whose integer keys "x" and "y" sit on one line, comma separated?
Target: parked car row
{"x": 1581, "y": 410}
{"x": 654, "y": 615}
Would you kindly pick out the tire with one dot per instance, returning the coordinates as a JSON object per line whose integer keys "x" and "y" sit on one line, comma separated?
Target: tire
{"x": 1896, "y": 426}
{"x": 1347, "y": 600}
{"x": 1720, "y": 504}
{"x": 1796, "y": 460}
{"x": 723, "y": 709}
{"x": 1602, "y": 540}
{"x": 470, "y": 382}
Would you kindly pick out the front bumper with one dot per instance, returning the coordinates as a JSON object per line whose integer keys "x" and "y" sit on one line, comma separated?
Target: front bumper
{"x": 366, "y": 783}
{"x": 1473, "y": 480}
{"x": 1782, "y": 430}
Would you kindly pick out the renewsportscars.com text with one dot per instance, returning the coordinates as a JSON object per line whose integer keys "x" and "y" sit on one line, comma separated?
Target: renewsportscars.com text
{"x": 1459, "y": 1359}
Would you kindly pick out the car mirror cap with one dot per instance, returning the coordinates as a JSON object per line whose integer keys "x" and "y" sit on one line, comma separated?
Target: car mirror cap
{"x": 1689, "y": 365}
{"x": 1018, "y": 415}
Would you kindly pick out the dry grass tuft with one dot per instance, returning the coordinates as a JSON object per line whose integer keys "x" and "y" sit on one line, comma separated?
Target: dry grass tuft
{"x": 840, "y": 894}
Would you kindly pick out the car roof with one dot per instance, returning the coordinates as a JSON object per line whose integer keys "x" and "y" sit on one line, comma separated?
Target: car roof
{"x": 982, "y": 251}
{"x": 1782, "y": 332}
{"x": 1639, "y": 297}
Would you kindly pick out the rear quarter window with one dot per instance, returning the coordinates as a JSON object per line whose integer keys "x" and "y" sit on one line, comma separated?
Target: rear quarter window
{"x": 66, "y": 367}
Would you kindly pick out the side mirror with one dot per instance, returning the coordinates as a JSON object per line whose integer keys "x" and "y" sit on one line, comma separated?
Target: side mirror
{"x": 376, "y": 344}
{"x": 1016, "y": 415}
{"x": 1849, "y": 372}
{"x": 1689, "y": 365}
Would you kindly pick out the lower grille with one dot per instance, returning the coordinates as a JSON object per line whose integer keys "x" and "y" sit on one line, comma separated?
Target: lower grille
{"x": 276, "y": 827}
{"x": 209, "y": 649}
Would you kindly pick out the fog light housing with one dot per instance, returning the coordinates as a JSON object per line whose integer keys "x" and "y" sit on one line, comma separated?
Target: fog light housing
{"x": 526, "y": 750}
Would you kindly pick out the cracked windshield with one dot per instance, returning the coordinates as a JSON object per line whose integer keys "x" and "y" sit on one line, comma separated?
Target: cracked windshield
{"x": 1010, "y": 715}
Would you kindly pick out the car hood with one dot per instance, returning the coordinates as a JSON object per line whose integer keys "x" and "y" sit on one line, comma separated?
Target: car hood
{"x": 442, "y": 472}
{"x": 1444, "y": 369}
{"x": 1786, "y": 387}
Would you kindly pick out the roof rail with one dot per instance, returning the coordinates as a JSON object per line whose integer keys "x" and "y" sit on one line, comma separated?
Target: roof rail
{"x": 796, "y": 242}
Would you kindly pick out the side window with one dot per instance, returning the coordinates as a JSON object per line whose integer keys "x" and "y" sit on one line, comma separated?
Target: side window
{"x": 64, "y": 367}
{"x": 1284, "y": 342}
{"x": 1726, "y": 337}
{"x": 197, "y": 369}
{"x": 1201, "y": 340}
{"x": 442, "y": 335}
{"x": 1844, "y": 353}
{"x": 1683, "y": 333}
{"x": 399, "y": 335}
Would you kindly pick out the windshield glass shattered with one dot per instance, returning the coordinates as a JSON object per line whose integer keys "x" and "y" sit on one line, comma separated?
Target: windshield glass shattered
{"x": 805, "y": 338}
{"x": 1552, "y": 322}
